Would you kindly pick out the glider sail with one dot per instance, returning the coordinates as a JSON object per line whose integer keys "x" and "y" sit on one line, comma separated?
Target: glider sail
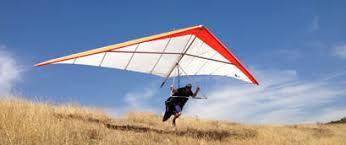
{"x": 194, "y": 49}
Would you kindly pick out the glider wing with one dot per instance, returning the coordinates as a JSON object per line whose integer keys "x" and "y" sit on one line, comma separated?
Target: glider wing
{"x": 194, "y": 49}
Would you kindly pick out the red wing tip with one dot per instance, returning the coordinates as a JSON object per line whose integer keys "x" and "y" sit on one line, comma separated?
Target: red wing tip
{"x": 255, "y": 82}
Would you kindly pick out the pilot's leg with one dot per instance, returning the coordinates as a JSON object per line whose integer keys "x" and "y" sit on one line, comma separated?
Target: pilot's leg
{"x": 177, "y": 113}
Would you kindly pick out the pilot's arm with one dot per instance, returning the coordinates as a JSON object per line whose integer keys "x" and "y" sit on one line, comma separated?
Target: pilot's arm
{"x": 171, "y": 88}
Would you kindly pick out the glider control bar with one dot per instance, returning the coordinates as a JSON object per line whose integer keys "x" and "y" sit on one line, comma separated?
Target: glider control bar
{"x": 188, "y": 97}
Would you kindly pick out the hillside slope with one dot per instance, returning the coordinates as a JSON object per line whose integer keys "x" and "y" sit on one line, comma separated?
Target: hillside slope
{"x": 25, "y": 122}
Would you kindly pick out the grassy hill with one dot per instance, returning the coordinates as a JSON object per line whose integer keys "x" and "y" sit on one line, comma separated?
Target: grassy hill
{"x": 342, "y": 120}
{"x": 25, "y": 122}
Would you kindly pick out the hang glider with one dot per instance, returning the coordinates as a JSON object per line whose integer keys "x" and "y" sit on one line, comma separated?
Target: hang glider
{"x": 194, "y": 49}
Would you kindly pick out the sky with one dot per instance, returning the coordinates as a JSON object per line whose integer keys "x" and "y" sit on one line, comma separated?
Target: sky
{"x": 296, "y": 50}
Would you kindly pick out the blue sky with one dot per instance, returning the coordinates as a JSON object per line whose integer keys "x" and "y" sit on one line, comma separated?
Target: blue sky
{"x": 296, "y": 49}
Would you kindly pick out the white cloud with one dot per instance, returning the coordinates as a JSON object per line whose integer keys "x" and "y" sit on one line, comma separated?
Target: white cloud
{"x": 328, "y": 114}
{"x": 340, "y": 51}
{"x": 136, "y": 101}
{"x": 282, "y": 97}
{"x": 315, "y": 24}
{"x": 139, "y": 100}
{"x": 9, "y": 72}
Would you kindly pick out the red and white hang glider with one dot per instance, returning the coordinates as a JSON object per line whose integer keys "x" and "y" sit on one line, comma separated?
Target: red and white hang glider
{"x": 195, "y": 50}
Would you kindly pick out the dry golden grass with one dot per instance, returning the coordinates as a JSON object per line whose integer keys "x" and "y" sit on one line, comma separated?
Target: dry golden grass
{"x": 25, "y": 122}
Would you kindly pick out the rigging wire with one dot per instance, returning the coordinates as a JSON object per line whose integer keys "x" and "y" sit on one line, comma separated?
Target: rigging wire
{"x": 192, "y": 80}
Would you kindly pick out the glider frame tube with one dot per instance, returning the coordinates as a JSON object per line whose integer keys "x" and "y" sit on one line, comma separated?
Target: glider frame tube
{"x": 178, "y": 60}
